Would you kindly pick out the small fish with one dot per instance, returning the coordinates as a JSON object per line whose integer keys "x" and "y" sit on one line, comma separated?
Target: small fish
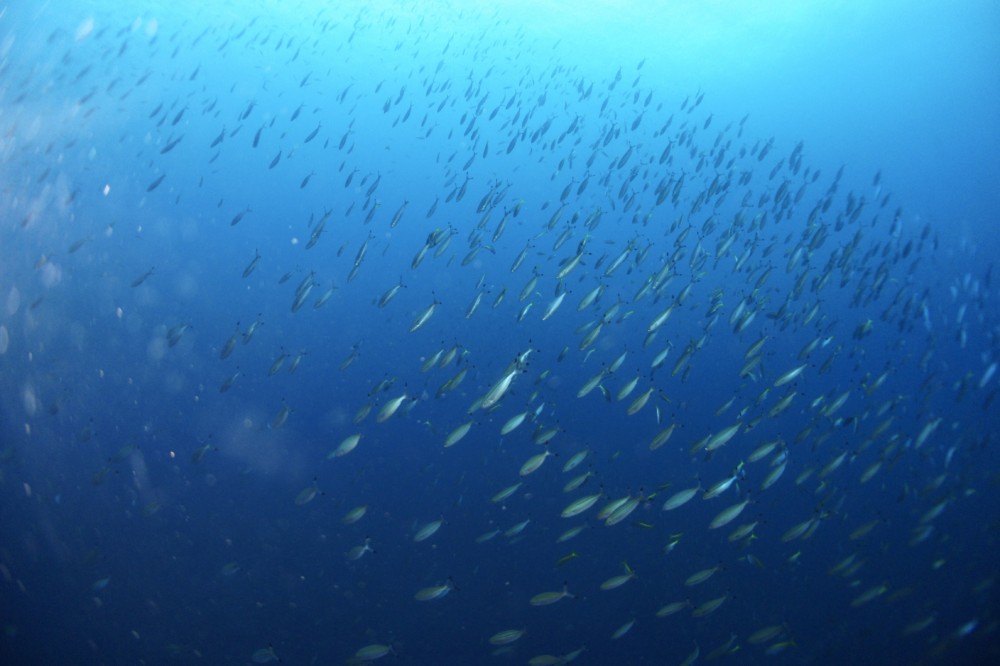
{"x": 428, "y": 530}
{"x": 617, "y": 581}
{"x": 534, "y": 462}
{"x": 513, "y": 422}
{"x": 358, "y": 552}
{"x": 567, "y": 558}
{"x": 142, "y": 278}
{"x": 790, "y": 376}
{"x": 506, "y": 637}
{"x": 728, "y": 515}
{"x": 457, "y": 434}
{"x": 238, "y": 218}
{"x": 264, "y": 655}
{"x": 373, "y": 651}
{"x": 680, "y": 498}
{"x": 506, "y": 492}
{"x": 281, "y": 417}
{"x": 549, "y": 598}
{"x": 156, "y": 183}
{"x": 199, "y": 453}
{"x": 307, "y": 494}
{"x": 346, "y": 446}
{"x": 354, "y": 515}
{"x": 423, "y": 317}
{"x": 390, "y": 408}
{"x": 435, "y": 592}
{"x": 498, "y": 390}
{"x": 579, "y": 506}
{"x": 312, "y": 135}
{"x": 700, "y": 576}
{"x": 252, "y": 265}
{"x": 622, "y": 630}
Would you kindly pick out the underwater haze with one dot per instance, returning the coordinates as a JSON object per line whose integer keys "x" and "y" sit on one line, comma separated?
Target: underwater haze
{"x": 517, "y": 332}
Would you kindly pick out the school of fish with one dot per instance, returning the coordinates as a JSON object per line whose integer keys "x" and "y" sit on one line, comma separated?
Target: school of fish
{"x": 630, "y": 352}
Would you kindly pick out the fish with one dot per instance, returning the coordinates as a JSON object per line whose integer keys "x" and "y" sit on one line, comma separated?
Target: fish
{"x": 790, "y": 376}
{"x": 487, "y": 536}
{"x": 176, "y": 333}
{"x": 662, "y": 438}
{"x": 506, "y": 637}
{"x": 428, "y": 530}
{"x": 571, "y": 533}
{"x": 516, "y": 529}
{"x": 506, "y": 493}
{"x": 581, "y": 505}
{"x": 565, "y": 559}
{"x": 627, "y": 389}
{"x": 423, "y": 317}
{"x": 499, "y": 389}
{"x": 590, "y": 298}
{"x": 142, "y": 278}
{"x": 357, "y": 552}
{"x": 722, "y": 437}
{"x": 312, "y": 135}
{"x": 532, "y": 464}
{"x": 156, "y": 182}
{"x": 766, "y": 634}
{"x": 577, "y": 481}
{"x": 680, "y": 498}
{"x": 434, "y": 592}
{"x": 722, "y": 486}
{"x": 709, "y": 606}
{"x": 575, "y": 460}
{"x": 200, "y": 452}
{"x": 252, "y": 265}
{"x": 622, "y": 630}
{"x": 171, "y": 145}
{"x": 549, "y": 598}
{"x": 660, "y": 319}
{"x": 728, "y": 515}
{"x": 373, "y": 651}
{"x": 617, "y": 581}
{"x": 591, "y": 384}
{"x": 308, "y": 494}
{"x": 239, "y": 218}
{"x": 622, "y": 511}
{"x": 281, "y": 417}
{"x": 346, "y": 445}
{"x": 700, "y": 577}
{"x": 513, "y": 422}
{"x": 639, "y": 403}
{"x": 457, "y": 434}
{"x": 354, "y": 515}
{"x": 389, "y": 294}
{"x": 773, "y": 476}
{"x": 390, "y": 408}
{"x": 264, "y": 655}
{"x": 553, "y": 306}
{"x": 672, "y": 608}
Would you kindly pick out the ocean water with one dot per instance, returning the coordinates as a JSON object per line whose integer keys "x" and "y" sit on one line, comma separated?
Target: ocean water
{"x": 234, "y": 234}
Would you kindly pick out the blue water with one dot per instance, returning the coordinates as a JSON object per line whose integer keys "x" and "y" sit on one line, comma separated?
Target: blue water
{"x": 824, "y": 177}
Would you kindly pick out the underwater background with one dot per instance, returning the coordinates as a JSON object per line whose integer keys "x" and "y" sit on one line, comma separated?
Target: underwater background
{"x": 510, "y": 332}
